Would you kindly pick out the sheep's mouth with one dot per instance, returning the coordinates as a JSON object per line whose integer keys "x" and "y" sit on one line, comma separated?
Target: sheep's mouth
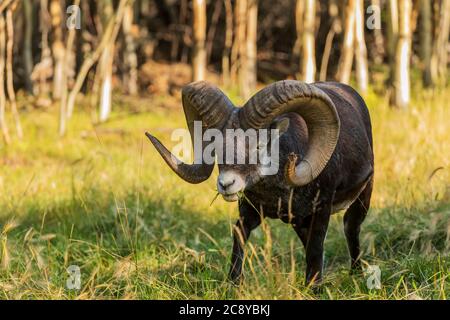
{"x": 231, "y": 197}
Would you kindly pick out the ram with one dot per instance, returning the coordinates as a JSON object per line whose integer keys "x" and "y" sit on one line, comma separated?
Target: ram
{"x": 325, "y": 158}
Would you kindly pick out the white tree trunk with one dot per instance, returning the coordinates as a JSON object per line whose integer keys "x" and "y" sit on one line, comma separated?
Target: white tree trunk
{"x": 199, "y": 52}
{"x": 361, "y": 50}
{"x": 308, "y": 46}
{"x": 106, "y": 86}
{"x": 402, "y": 59}
{"x": 106, "y": 63}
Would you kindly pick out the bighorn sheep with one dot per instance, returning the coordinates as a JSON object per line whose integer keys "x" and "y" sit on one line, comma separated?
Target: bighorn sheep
{"x": 325, "y": 152}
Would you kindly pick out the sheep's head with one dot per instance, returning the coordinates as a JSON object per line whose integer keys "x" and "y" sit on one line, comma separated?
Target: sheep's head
{"x": 245, "y": 157}
{"x": 206, "y": 104}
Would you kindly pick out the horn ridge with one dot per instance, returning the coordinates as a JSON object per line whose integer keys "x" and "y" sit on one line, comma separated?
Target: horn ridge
{"x": 314, "y": 106}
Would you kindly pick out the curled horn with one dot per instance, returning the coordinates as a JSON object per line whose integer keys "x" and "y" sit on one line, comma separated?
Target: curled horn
{"x": 201, "y": 102}
{"x": 314, "y": 106}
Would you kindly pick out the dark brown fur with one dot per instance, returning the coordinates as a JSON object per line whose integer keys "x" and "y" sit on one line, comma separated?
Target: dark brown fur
{"x": 348, "y": 175}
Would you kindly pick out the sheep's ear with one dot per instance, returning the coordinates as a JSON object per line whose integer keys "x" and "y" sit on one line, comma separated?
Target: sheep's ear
{"x": 282, "y": 125}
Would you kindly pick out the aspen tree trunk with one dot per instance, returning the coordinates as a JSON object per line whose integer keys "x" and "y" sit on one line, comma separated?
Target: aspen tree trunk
{"x": 346, "y": 60}
{"x": 426, "y": 41}
{"x": 199, "y": 31}
{"x": 403, "y": 55}
{"x": 235, "y": 46}
{"x": 109, "y": 35}
{"x": 238, "y": 50}
{"x": 3, "y": 125}
{"x": 308, "y": 64}
{"x": 64, "y": 79}
{"x": 392, "y": 36}
{"x": 106, "y": 65}
{"x": 27, "y": 44}
{"x": 239, "y": 58}
{"x": 252, "y": 25}
{"x": 299, "y": 12}
{"x": 57, "y": 47}
{"x": 228, "y": 43}
{"x": 439, "y": 59}
{"x": 212, "y": 30}
{"x": 444, "y": 45}
{"x": 130, "y": 51}
{"x": 362, "y": 71}
{"x": 46, "y": 55}
{"x": 378, "y": 36}
{"x": 4, "y": 4}
{"x": 9, "y": 70}
{"x": 335, "y": 28}
{"x": 414, "y": 15}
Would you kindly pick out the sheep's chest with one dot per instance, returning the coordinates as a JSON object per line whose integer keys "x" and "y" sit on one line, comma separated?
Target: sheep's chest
{"x": 286, "y": 204}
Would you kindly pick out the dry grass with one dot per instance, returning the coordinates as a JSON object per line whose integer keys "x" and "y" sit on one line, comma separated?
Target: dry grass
{"x": 102, "y": 199}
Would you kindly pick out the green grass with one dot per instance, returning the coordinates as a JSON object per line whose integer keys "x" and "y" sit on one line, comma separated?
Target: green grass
{"x": 101, "y": 198}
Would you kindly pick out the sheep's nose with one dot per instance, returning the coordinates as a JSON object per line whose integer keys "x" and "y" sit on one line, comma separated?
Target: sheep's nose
{"x": 225, "y": 183}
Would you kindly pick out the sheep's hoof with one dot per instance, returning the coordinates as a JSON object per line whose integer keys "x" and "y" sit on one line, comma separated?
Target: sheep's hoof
{"x": 356, "y": 269}
{"x": 317, "y": 289}
{"x": 235, "y": 278}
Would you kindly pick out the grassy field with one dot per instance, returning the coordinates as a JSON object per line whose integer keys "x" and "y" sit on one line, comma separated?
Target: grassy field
{"x": 102, "y": 199}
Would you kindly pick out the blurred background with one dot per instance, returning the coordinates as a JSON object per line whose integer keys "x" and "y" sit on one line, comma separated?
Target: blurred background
{"x": 81, "y": 81}
{"x": 56, "y": 50}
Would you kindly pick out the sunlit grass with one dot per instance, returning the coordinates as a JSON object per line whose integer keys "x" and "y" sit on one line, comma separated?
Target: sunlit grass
{"x": 101, "y": 198}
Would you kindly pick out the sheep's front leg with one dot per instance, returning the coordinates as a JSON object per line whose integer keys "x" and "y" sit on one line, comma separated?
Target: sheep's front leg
{"x": 249, "y": 220}
{"x": 314, "y": 244}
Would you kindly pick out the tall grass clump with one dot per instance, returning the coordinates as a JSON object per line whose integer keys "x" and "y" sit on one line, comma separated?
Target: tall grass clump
{"x": 102, "y": 199}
